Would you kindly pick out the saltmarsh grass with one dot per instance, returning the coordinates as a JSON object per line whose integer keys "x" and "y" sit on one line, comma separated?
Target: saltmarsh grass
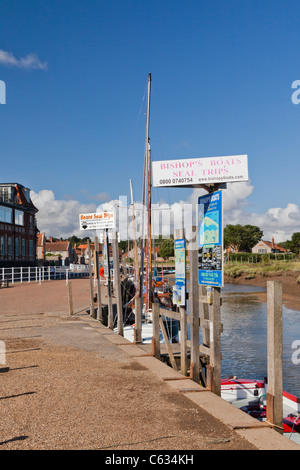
{"x": 265, "y": 268}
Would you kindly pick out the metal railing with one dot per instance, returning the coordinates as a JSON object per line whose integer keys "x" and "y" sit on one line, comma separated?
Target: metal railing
{"x": 42, "y": 273}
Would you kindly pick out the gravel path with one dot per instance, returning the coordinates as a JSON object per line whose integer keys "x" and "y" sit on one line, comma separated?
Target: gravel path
{"x": 68, "y": 387}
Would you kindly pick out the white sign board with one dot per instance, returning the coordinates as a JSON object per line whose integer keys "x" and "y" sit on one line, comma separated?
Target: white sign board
{"x": 96, "y": 221}
{"x": 101, "y": 237}
{"x": 195, "y": 171}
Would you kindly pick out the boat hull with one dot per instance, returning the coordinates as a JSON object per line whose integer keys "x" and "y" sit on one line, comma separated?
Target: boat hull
{"x": 250, "y": 397}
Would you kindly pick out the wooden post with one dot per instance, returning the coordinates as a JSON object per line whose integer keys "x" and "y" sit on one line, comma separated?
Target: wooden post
{"x": 156, "y": 335}
{"x": 138, "y": 317}
{"x": 70, "y": 298}
{"x": 275, "y": 381}
{"x": 215, "y": 342}
{"x": 178, "y": 234}
{"x": 96, "y": 264}
{"x": 194, "y": 306}
{"x": 110, "y": 320}
{"x": 117, "y": 282}
{"x": 92, "y": 311}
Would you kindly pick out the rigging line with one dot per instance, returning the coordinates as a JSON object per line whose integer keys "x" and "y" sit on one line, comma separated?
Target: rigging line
{"x": 158, "y": 127}
{"x": 138, "y": 118}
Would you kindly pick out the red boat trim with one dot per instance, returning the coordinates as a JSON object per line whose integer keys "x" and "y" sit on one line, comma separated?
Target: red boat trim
{"x": 243, "y": 382}
{"x": 291, "y": 397}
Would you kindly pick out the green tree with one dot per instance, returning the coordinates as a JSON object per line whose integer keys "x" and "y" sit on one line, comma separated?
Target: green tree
{"x": 295, "y": 242}
{"x": 233, "y": 235}
{"x": 251, "y": 235}
{"x": 243, "y": 237}
{"x": 167, "y": 248}
{"x": 74, "y": 240}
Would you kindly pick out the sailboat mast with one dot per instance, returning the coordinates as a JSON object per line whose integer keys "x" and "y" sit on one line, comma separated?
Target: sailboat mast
{"x": 148, "y": 150}
{"x": 146, "y": 201}
{"x": 136, "y": 273}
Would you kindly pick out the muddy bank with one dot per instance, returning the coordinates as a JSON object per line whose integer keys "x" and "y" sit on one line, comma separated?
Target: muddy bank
{"x": 290, "y": 287}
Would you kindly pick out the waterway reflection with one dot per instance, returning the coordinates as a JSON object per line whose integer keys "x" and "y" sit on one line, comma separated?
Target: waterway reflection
{"x": 244, "y": 337}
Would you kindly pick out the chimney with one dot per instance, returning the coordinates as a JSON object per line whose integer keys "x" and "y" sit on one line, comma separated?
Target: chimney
{"x": 273, "y": 244}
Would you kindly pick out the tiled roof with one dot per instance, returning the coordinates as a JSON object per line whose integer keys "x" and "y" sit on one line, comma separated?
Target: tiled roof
{"x": 274, "y": 246}
{"x": 57, "y": 246}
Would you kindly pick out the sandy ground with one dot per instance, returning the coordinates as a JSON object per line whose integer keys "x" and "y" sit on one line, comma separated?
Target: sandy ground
{"x": 290, "y": 287}
{"x": 68, "y": 387}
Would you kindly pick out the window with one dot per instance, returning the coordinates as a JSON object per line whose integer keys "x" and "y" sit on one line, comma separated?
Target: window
{"x": 5, "y": 193}
{"x": 5, "y": 214}
{"x": 31, "y": 248}
{"x": 262, "y": 250}
{"x": 19, "y": 217}
{"x": 2, "y": 245}
{"x": 17, "y": 246}
{"x": 23, "y": 247}
{"x": 9, "y": 246}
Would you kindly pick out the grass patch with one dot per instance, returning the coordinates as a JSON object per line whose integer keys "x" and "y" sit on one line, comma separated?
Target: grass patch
{"x": 250, "y": 270}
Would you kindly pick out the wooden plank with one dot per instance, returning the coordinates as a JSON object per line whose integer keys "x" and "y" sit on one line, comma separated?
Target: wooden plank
{"x": 156, "y": 335}
{"x": 70, "y": 298}
{"x": 275, "y": 349}
{"x": 96, "y": 262}
{"x": 183, "y": 340}
{"x": 215, "y": 340}
{"x": 203, "y": 299}
{"x": 117, "y": 279}
{"x": 169, "y": 313}
{"x": 92, "y": 311}
{"x": 138, "y": 319}
{"x": 110, "y": 320}
{"x": 194, "y": 306}
{"x": 202, "y": 349}
{"x": 169, "y": 349}
{"x": 205, "y": 318}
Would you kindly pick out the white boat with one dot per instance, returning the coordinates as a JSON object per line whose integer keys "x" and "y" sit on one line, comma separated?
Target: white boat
{"x": 250, "y": 396}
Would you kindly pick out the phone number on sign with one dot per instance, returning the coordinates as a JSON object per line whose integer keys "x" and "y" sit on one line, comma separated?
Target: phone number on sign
{"x": 176, "y": 180}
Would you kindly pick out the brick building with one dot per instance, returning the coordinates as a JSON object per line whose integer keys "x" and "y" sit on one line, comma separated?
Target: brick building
{"x": 18, "y": 230}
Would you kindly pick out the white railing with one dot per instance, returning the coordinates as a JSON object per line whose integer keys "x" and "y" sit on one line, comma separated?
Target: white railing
{"x": 43, "y": 273}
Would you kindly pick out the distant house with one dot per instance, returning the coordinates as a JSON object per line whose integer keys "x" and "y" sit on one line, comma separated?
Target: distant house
{"x": 41, "y": 246}
{"x": 268, "y": 247}
{"x": 60, "y": 251}
{"x": 83, "y": 254}
{"x": 232, "y": 249}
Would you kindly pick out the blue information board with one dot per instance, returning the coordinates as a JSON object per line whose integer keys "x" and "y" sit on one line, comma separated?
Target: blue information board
{"x": 210, "y": 242}
{"x": 180, "y": 278}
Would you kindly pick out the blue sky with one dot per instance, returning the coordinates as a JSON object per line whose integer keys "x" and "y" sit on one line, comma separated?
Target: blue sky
{"x": 74, "y": 119}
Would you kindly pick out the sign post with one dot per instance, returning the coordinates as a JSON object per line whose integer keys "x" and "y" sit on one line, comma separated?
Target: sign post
{"x": 100, "y": 221}
{"x": 180, "y": 272}
{"x": 211, "y": 239}
{"x": 97, "y": 275}
{"x": 92, "y": 310}
{"x": 179, "y": 294}
{"x": 206, "y": 250}
{"x": 107, "y": 273}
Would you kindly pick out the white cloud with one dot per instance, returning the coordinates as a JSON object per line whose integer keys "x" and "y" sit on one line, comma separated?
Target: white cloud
{"x": 31, "y": 61}
{"x": 280, "y": 222}
{"x": 59, "y": 218}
